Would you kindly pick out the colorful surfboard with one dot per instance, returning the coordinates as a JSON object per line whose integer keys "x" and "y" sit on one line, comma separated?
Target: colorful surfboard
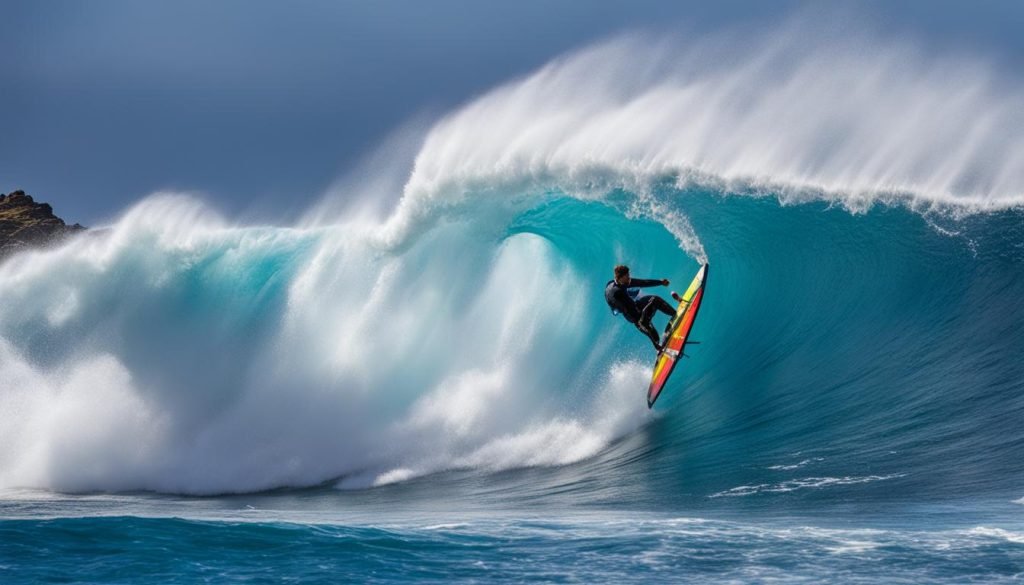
{"x": 678, "y": 331}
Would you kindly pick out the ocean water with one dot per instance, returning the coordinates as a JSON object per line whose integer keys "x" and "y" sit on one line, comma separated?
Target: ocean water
{"x": 433, "y": 389}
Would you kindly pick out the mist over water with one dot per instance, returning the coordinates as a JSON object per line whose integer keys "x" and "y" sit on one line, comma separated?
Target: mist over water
{"x": 796, "y": 113}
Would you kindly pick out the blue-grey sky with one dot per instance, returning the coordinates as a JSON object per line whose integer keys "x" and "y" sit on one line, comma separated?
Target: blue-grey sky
{"x": 261, "y": 105}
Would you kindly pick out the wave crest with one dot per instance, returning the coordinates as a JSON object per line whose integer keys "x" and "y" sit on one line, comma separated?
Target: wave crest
{"x": 792, "y": 113}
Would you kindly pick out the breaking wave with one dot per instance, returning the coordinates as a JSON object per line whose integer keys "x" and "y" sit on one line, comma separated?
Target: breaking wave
{"x": 860, "y": 204}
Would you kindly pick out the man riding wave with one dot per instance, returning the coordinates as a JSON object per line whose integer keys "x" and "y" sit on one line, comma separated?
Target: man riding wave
{"x": 636, "y": 308}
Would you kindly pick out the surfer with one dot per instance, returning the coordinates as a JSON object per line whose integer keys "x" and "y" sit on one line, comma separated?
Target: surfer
{"x": 636, "y": 308}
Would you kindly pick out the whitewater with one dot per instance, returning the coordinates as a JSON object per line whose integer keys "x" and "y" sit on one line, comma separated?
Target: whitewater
{"x": 432, "y": 365}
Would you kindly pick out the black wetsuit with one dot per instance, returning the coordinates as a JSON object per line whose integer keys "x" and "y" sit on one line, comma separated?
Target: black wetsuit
{"x": 640, "y": 310}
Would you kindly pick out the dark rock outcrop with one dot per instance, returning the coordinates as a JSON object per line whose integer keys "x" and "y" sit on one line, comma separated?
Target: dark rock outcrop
{"x": 25, "y": 223}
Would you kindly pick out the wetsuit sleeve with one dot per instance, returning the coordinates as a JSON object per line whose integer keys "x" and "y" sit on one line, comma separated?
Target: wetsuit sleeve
{"x": 642, "y": 282}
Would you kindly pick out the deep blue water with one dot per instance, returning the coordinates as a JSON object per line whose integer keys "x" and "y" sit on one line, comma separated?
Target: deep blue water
{"x": 328, "y": 538}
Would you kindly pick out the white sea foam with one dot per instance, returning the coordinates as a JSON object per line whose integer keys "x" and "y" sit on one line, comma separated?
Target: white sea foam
{"x": 793, "y": 466}
{"x": 998, "y": 533}
{"x": 799, "y": 484}
{"x": 802, "y": 113}
{"x": 176, "y": 353}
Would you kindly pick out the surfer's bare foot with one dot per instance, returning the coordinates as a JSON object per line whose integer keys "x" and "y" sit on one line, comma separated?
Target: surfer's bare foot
{"x": 676, "y": 296}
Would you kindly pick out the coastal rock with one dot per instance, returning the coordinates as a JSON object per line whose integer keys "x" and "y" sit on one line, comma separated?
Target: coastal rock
{"x": 25, "y": 223}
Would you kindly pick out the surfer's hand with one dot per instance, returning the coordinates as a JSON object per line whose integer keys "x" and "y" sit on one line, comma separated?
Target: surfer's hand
{"x": 664, "y": 281}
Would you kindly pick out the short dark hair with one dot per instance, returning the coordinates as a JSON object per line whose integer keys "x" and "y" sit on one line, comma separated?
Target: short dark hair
{"x": 621, "y": 270}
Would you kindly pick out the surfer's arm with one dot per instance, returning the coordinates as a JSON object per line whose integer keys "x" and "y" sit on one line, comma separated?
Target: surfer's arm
{"x": 642, "y": 282}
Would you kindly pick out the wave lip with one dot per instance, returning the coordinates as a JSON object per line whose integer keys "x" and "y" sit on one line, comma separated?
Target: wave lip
{"x": 791, "y": 112}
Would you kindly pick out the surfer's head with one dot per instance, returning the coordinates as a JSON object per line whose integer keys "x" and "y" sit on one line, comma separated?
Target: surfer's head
{"x": 622, "y": 274}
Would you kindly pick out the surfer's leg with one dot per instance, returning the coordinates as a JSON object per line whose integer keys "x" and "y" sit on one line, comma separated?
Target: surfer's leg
{"x": 647, "y": 305}
{"x": 663, "y": 306}
{"x": 646, "y": 329}
{"x": 650, "y": 304}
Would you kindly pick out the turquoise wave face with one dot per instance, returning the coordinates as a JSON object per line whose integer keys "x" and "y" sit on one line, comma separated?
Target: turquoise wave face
{"x": 843, "y": 357}
{"x": 868, "y": 355}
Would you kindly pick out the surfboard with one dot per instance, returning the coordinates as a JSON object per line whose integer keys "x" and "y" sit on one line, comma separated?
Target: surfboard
{"x": 677, "y": 333}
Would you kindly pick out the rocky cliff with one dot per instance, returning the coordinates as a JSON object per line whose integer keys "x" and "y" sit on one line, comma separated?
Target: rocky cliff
{"x": 25, "y": 223}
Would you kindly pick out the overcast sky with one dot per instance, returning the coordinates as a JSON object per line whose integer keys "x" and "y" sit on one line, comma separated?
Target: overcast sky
{"x": 260, "y": 106}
